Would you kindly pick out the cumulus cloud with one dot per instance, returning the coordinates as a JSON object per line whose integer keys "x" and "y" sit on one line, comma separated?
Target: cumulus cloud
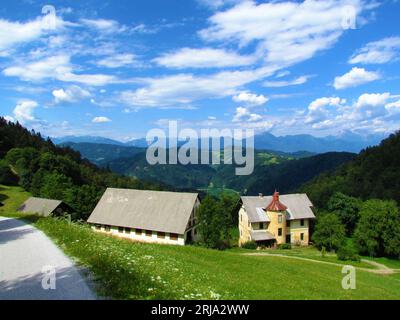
{"x": 70, "y": 95}
{"x": 318, "y": 109}
{"x": 378, "y": 52}
{"x": 372, "y": 99}
{"x": 355, "y": 77}
{"x": 203, "y": 58}
{"x": 243, "y": 114}
{"x": 101, "y": 120}
{"x": 24, "y": 111}
{"x": 250, "y": 99}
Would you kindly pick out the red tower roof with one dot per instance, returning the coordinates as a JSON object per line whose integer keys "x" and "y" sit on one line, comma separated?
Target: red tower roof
{"x": 275, "y": 204}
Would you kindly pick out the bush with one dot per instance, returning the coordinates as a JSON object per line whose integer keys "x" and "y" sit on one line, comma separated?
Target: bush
{"x": 251, "y": 245}
{"x": 285, "y": 246}
{"x": 347, "y": 253}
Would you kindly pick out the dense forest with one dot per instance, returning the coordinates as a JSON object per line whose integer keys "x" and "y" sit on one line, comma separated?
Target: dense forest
{"x": 55, "y": 172}
{"x": 374, "y": 173}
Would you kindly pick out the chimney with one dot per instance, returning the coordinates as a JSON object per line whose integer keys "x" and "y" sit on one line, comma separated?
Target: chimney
{"x": 261, "y": 196}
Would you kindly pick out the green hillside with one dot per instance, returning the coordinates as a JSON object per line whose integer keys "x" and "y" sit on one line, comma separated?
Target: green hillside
{"x": 374, "y": 173}
{"x": 127, "y": 270}
{"x": 273, "y": 170}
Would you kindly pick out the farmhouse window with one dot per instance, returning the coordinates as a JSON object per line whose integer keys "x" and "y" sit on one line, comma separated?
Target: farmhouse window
{"x": 149, "y": 233}
{"x": 128, "y": 230}
{"x": 98, "y": 227}
{"x": 301, "y": 236}
{"x": 107, "y": 228}
{"x": 160, "y": 235}
{"x": 302, "y": 222}
{"x": 287, "y": 224}
{"x": 138, "y": 232}
{"x": 280, "y": 218}
{"x": 279, "y": 232}
{"x": 173, "y": 236}
{"x": 261, "y": 225}
{"x": 120, "y": 229}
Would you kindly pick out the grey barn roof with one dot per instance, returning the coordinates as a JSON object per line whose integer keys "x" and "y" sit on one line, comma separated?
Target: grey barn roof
{"x": 299, "y": 207}
{"x": 43, "y": 207}
{"x": 147, "y": 210}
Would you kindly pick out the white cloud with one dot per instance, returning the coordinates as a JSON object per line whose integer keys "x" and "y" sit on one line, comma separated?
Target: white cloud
{"x": 355, "y": 77}
{"x": 56, "y": 67}
{"x": 70, "y": 95}
{"x": 372, "y": 99}
{"x": 318, "y": 110}
{"x": 104, "y": 25}
{"x": 101, "y": 120}
{"x": 184, "y": 88}
{"x": 279, "y": 84}
{"x": 117, "y": 61}
{"x": 203, "y": 58}
{"x": 24, "y": 111}
{"x": 378, "y": 52}
{"x": 243, "y": 114}
{"x": 285, "y": 33}
{"x": 250, "y": 99}
{"x": 15, "y": 33}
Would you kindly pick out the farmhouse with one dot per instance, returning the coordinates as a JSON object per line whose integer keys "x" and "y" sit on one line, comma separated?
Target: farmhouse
{"x": 147, "y": 216}
{"x": 44, "y": 207}
{"x": 274, "y": 220}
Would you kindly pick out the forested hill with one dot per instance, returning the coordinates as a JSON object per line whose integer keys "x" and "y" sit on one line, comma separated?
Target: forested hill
{"x": 374, "y": 173}
{"x": 55, "y": 172}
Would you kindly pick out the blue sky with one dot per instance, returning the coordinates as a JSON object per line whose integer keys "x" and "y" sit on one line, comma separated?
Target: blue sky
{"x": 120, "y": 68}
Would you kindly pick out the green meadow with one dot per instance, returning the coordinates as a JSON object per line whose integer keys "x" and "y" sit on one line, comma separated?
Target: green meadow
{"x": 125, "y": 270}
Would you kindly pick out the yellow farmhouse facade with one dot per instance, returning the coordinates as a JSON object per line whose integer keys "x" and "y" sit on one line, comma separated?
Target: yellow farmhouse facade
{"x": 147, "y": 216}
{"x": 275, "y": 220}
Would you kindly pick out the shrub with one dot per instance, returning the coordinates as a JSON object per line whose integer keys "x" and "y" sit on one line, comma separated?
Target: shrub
{"x": 285, "y": 246}
{"x": 252, "y": 245}
{"x": 346, "y": 253}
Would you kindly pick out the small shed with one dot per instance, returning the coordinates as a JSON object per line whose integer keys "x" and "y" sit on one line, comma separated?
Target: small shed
{"x": 45, "y": 207}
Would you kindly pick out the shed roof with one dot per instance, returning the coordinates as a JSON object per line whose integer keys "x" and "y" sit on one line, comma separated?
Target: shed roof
{"x": 43, "y": 207}
{"x": 298, "y": 207}
{"x": 142, "y": 209}
{"x": 261, "y": 235}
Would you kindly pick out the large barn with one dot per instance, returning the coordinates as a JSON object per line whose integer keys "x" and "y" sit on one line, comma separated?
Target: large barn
{"x": 147, "y": 216}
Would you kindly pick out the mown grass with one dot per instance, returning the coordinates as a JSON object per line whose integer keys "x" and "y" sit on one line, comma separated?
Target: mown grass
{"x": 127, "y": 270}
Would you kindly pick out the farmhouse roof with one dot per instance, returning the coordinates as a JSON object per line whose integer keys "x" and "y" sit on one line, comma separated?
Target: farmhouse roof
{"x": 298, "y": 207}
{"x": 43, "y": 207}
{"x": 147, "y": 210}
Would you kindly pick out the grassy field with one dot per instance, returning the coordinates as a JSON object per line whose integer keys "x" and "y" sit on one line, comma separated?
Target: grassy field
{"x": 127, "y": 270}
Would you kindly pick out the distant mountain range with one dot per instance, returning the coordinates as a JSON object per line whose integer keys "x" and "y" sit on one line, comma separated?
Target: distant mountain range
{"x": 347, "y": 142}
